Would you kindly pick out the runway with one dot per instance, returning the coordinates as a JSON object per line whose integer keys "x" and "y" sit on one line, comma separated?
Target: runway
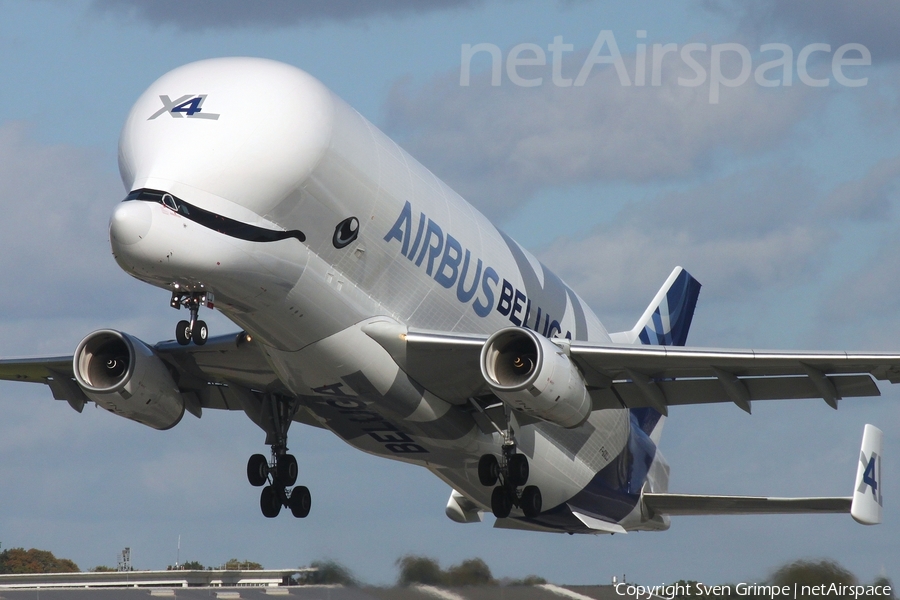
{"x": 537, "y": 592}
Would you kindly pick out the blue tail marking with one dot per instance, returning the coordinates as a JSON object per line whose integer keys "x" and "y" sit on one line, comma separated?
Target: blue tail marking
{"x": 671, "y": 321}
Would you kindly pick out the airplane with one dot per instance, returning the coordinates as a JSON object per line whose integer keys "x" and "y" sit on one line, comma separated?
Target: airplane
{"x": 375, "y": 302}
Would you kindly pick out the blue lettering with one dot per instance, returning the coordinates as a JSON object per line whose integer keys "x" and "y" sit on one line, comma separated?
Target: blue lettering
{"x": 412, "y": 251}
{"x": 504, "y": 305}
{"x": 190, "y": 107}
{"x": 516, "y": 307}
{"x": 462, "y": 294}
{"x": 869, "y": 476}
{"x": 447, "y": 262}
{"x": 400, "y": 230}
{"x": 554, "y": 328}
{"x": 482, "y": 310}
{"x": 433, "y": 231}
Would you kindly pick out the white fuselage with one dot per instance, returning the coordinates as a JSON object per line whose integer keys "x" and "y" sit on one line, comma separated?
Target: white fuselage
{"x": 267, "y": 145}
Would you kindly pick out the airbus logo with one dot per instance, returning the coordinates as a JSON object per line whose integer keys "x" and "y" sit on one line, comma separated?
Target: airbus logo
{"x": 189, "y": 105}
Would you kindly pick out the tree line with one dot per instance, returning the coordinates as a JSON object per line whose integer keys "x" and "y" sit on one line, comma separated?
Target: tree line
{"x": 423, "y": 570}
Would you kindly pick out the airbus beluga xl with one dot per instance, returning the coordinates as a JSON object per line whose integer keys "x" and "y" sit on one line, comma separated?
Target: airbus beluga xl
{"x": 375, "y": 302}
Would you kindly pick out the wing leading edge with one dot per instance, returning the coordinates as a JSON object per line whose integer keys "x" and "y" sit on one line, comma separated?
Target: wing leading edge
{"x": 217, "y": 375}
{"x": 656, "y": 376}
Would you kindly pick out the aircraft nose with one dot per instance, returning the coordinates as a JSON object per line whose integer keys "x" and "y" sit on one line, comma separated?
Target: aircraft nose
{"x": 130, "y": 222}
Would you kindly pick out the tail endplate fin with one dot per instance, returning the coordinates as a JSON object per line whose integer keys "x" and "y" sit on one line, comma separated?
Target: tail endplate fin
{"x": 867, "y": 498}
{"x": 667, "y": 320}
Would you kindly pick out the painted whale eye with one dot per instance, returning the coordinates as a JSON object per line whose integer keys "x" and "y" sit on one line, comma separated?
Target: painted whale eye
{"x": 345, "y": 232}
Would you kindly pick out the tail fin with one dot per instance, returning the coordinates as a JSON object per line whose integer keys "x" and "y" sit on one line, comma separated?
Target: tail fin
{"x": 668, "y": 318}
{"x": 867, "y": 499}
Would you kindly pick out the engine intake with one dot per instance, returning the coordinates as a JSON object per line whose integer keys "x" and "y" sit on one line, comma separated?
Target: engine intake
{"x": 123, "y": 375}
{"x": 534, "y": 375}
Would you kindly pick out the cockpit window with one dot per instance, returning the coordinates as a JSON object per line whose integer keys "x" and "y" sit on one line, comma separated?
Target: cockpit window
{"x": 169, "y": 200}
{"x": 230, "y": 227}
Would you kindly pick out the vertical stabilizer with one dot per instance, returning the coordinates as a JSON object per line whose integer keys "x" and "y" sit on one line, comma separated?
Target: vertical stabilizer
{"x": 867, "y": 498}
{"x": 667, "y": 320}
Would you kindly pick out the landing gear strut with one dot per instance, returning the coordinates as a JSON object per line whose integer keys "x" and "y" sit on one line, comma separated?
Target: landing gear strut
{"x": 279, "y": 473}
{"x": 508, "y": 474}
{"x": 194, "y": 330}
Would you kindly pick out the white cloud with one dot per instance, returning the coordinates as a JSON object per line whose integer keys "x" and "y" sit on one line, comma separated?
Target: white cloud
{"x": 497, "y": 146}
{"x": 872, "y": 23}
{"x": 53, "y": 234}
{"x": 737, "y": 235}
{"x": 869, "y": 197}
{"x": 207, "y": 14}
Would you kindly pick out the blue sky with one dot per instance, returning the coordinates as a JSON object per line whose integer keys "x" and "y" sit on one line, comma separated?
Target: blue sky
{"x": 782, "y": 201}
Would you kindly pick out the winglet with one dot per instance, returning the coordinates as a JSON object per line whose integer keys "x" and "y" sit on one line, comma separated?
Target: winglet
{"x": 668, "y": 318}
{"x": 867, "y": 498}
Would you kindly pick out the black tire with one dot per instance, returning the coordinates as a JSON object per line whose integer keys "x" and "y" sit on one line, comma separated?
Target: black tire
{"x": 300, "y": 501}
{"x": 530, "y": 502}
{"x": 257, "y": 470}
{"x": 501, "y": 502}
{"x": 488, "y": 470}
{"x": 518, "y": 469}
{"x": 269, "y": 502}
{"x": 200, "y": 333}
{"x": 286, "y": 470}
{"x": 183, "y": 333}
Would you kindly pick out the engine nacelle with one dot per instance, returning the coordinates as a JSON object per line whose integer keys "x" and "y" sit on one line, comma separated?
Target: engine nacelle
{"x": 123, "y": 375}
{"x": 534, "y": 375}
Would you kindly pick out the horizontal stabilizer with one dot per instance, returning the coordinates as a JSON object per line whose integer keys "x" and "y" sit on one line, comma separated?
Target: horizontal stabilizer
{"x": 696, "y": 504}
{"x": 867, "y": 499}
{"x": 864, "y": 506}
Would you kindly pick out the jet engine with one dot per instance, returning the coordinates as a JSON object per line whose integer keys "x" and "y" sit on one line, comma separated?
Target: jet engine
{"x": 123, "y": 375}
{"x": 534, "y": 375}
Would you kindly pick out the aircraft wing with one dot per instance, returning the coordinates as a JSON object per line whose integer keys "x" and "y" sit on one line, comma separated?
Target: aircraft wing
{"x": 217, "y": 375}
{"x": 650, "y": 376}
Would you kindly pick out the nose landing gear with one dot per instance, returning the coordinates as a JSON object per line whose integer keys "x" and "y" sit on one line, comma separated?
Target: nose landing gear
{"x": 510, "y": 472}
{"x": 194, "y": 330}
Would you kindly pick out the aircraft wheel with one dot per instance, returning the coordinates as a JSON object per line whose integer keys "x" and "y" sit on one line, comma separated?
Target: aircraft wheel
{"x": 531, "y": 501}
{"x": 300, "y": 501}
{"x": 488, "y": 470}
{"x": 286, "y": 470}
{"x": 183, "y": 333}
{"x": 269, "y": 502}
{"x": 501, "y": 502}
{"x": 518, "y": 469}
{"x": 257, "y": 470}
{"x": 200, "y": 333}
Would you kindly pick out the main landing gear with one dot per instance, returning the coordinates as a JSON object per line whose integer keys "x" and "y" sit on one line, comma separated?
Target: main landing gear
{"x": 279, "y": 474}
{"x": 194, "y": 330}
{"x": 508, "y": 474}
